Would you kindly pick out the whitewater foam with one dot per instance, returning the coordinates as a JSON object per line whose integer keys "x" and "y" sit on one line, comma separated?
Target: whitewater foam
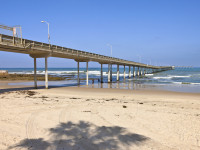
{"x": 170, "y": 77}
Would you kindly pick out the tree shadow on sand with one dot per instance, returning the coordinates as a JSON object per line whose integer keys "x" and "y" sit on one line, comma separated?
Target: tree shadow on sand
{"x": 84, "y": 136}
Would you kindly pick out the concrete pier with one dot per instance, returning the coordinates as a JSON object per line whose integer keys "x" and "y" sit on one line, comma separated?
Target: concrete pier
{"x": 129, "y": 73}
{"x": 35, "y": 73}
{"x": 138, "y": 71}
{"x": 111, "y": 72}
{"x": 141, "y": 71}
{"x": 46, "y": 73}
{"x": 108, "y": 73}
{"x": 101, "y": 73}
{"x": 134, "y": 73}
{"x": 117, "y": 72}
{"x": 87, "y": 73}
{"x": 124, "y": 72}
{"x": 43, "y": 50}
{"x": 78, "y": 76}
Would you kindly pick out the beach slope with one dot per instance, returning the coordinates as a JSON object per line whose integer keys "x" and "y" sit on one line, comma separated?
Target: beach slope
{"x": 98, "y": 119}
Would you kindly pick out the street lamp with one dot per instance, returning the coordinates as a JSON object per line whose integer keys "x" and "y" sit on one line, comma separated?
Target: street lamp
{"x": 46, "y": 71}
{"x": 140, "y": 58}
{"x": 48, "y": 30}
{"x": 110, "y": 49}
{"x": 110, "y": 65}
{"x": 15, "y": 31}
{"x": 150, "y": 61}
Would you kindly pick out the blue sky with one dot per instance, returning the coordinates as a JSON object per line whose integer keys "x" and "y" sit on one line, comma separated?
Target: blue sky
{"x": 163, "y": 32}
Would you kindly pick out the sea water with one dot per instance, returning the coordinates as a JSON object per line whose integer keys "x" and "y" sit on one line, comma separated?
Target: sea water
{"x": 179, "y": 79}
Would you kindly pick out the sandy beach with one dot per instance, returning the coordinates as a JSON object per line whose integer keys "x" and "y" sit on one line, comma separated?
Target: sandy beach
{"x": 100, "y": 75}
{"x": 81, "y": 118}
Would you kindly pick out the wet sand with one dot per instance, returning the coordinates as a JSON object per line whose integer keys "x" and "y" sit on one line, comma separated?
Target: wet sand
{"x": 98, "y": 119}
{"x": 27, "y": 77}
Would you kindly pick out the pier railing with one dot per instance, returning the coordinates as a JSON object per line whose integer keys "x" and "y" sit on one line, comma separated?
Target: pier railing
{"x": 59, "y": 51}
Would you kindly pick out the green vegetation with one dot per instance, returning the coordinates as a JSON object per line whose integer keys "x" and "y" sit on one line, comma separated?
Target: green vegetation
{"x": 186, "y": 83}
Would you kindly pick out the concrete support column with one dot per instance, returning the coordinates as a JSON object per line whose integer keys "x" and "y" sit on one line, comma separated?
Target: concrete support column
{"x": 141, "y": 71}
{"x": 46, "y": 73}
{"x": 78, "y": 76}
{"x": 101, "y": 73}
{"x": 144, "y": 71}
{"x": 134, "y": 71}
{"x": 129, "y": 74}
{"x": 117, "y": 72}
{"x": 108, "y": 73}
{"x": 138, "y": 71}
{"x": 111, "y": 72}
{"x": 86, "y": 73}
{"x": 124, "y": 72}
{"x": 35, "y": 73}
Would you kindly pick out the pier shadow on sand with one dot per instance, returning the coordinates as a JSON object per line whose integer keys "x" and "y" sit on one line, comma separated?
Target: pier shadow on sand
{"x": 85, "y": 136}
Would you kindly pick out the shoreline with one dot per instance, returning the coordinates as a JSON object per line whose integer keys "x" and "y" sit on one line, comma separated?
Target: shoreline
{"x": 115, "y": 85}
{"x": 4, "y": 85}
{"x": 177, "y": 80}
{"x": 28, "y": 77}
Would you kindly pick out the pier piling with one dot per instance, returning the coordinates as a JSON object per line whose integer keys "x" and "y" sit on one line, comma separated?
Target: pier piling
{"x": 134, "y": 73}
{"x": 101, "y": 73}
{"x": 111, "y": 72}
{"x": 46, "y": 72}
{"x": 87, "y": 73}
{"x": 129, "y": 72}
{"x": 78, "y": 76}
{"x": 124, "y": 72}
{"x": 117, "y": 72}
{"x": 108, "y": 73}
{"x": 138, "y": 71}
{"x": 35, "y": 73}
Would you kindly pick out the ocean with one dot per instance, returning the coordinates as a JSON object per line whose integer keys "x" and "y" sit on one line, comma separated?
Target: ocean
{"x": 179, "y": 79}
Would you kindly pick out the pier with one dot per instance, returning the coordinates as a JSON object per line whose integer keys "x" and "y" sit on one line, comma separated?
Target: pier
{"x": 43, "y": 50}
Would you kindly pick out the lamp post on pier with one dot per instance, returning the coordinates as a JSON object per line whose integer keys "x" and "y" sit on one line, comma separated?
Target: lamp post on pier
{"x": 48, "y": 30}
{"x": 110, "y": 65}
{"x": 46, "y": 71}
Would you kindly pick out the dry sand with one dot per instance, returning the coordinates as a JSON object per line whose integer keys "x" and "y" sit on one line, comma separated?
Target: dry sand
{"x": 74, "y": 118}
